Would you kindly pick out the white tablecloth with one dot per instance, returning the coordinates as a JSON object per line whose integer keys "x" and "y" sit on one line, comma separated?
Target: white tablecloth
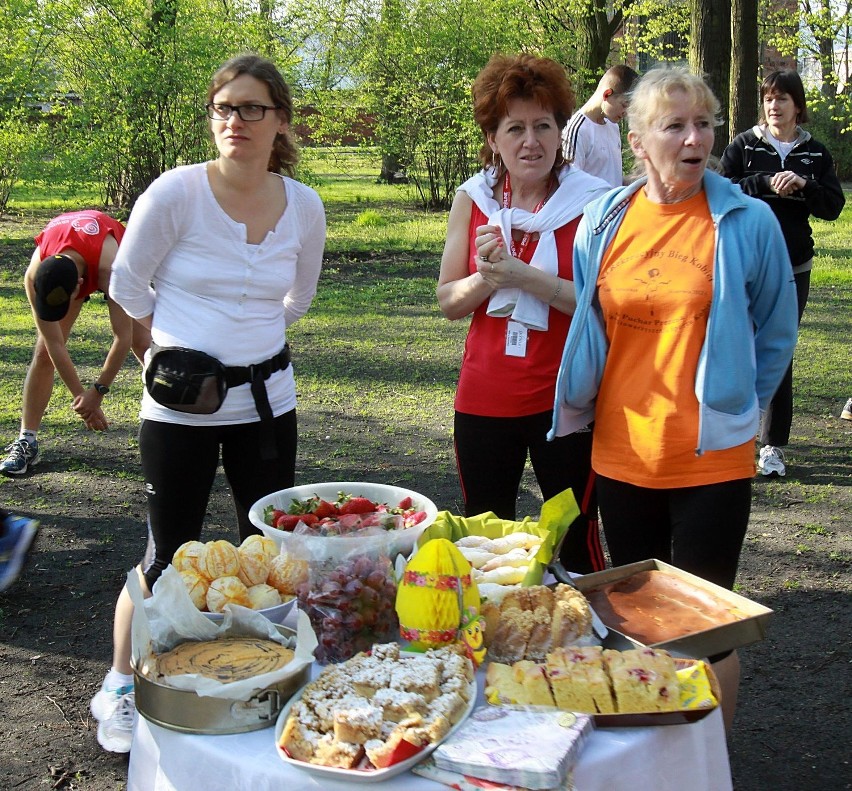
{"x": 660, "y": 758}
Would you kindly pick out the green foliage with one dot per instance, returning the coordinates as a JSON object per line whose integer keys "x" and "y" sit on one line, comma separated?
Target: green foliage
{"x": 657, "y": 30}
{"x": 418, "y": 71}
{"x": 831, "y": 124}
{"x": 21, "y": 150}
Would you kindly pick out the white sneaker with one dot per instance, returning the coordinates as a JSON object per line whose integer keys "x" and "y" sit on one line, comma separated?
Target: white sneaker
{"x": 846, "y": 413}
{"x": 115, "y": 711}
{"x": 771, "y": 463}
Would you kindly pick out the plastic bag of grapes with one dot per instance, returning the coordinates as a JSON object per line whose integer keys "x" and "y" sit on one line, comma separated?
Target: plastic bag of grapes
{"x": 350, "y": 600}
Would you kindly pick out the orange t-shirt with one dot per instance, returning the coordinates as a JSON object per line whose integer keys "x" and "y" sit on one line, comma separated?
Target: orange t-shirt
{"x": 655, "y": 287}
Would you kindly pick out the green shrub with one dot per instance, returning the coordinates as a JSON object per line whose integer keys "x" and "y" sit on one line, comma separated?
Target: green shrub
{"x": 830, "y": 125}
{"x": 21, "y": 149}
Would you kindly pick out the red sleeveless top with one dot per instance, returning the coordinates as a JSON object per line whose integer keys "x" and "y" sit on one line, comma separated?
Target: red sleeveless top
{"x": 493, "y": 384}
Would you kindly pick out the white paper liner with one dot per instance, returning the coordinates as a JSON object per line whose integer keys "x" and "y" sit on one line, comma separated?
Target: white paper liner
{"x": 169, "y": 618}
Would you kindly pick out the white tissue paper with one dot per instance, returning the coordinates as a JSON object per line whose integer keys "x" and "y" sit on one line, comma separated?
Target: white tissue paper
{"x": 529, "y": 746}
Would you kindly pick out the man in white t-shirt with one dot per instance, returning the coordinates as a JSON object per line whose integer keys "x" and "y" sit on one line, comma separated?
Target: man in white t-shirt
{"x": 592, "y": 139}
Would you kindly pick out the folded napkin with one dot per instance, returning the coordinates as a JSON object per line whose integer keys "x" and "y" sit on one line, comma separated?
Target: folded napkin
{"x": 575, "y": 190}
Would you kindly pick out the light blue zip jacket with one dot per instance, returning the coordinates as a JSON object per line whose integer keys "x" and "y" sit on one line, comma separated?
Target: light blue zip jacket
{"x": 751, "y": 330}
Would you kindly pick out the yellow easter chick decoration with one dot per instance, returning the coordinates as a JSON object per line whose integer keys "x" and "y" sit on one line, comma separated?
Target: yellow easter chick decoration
{"x": 473, "y": 633}
{"x": 437, "y": 597}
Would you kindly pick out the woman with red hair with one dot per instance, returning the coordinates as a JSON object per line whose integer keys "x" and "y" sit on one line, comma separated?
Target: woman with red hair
{"x": 507, "y": 264}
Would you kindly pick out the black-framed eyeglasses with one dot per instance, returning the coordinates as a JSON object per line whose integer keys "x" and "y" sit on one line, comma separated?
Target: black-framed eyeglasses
{"x": 248, "y": 112}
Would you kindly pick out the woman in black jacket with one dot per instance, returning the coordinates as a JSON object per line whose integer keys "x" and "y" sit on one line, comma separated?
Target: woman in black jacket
{"x": 779, "y": 162}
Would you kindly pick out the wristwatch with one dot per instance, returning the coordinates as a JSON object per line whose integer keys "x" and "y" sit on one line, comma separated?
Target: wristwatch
{"x": 102, "y": 389}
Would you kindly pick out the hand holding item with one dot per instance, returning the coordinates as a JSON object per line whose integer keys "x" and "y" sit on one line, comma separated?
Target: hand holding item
{"x": 489, "y": 243}
{"x": 494, "y": 263}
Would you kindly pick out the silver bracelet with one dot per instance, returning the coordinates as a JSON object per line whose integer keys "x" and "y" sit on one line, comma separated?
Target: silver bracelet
{"x": 556, "y": 293}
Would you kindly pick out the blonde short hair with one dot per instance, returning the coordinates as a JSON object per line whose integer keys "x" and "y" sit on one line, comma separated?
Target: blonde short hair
{"x": 650, "y": 96}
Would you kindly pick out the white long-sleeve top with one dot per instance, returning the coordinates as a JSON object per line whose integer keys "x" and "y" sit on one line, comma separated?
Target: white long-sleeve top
{"x": 214, "y": 292}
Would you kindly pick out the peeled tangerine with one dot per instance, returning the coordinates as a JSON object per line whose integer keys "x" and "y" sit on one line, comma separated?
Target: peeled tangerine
{"x": 226, "y": 590}
{"x": 220, "y": 560}
{"x": 259, "y": 545}
{"x": 256, "y": 554}
{"x": 263, "y": 596}
{"x": 427, "y": 599}
{"x": 254, "y": 569}
{"x": 196, "y": 587}
{"x": 286, "y": 573}
{"x": 190, "y": 556}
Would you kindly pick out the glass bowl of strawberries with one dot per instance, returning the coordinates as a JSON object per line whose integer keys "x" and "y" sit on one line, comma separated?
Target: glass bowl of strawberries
{"x": 394, "y": 516}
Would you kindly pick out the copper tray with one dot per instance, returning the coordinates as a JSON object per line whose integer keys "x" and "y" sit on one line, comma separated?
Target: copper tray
{"x": 749, "y": 625}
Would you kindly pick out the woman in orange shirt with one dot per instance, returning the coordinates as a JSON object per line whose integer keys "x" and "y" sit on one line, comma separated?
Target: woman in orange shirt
{"x": 685, "y": 323}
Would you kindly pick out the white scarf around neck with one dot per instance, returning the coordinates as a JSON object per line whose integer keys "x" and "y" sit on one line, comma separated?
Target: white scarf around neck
{"x": 576, "y": 189}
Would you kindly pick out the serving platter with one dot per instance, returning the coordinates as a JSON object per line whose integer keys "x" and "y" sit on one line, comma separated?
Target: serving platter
{"x": 364, "y": 775}
{"x": 677, "y": 717}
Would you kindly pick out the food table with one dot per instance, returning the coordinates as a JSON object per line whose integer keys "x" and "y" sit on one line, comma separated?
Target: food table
{"x": 656, "y": 758}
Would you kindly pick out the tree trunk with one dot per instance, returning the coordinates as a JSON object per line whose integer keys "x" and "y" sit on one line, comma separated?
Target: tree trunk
{"x": 710, "y": 53}
{"x": 743, "y": 105}
{"x": 384, "y": 75}
{"x": 148, "y": 132}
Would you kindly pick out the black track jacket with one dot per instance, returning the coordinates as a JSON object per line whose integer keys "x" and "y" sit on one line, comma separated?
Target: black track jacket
{"x": 750, "y": 161}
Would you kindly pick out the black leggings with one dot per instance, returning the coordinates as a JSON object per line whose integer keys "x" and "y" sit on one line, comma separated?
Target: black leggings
{"x": 699, "y": 529}
{"x": 179, "y": 463}
{"x": 491, "y": 453}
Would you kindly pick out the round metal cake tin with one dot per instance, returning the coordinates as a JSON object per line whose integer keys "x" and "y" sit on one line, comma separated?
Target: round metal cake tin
{"x": 184, "y": 711}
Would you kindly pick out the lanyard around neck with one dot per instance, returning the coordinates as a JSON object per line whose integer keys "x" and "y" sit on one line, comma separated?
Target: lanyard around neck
{"x": 520, "y": 248}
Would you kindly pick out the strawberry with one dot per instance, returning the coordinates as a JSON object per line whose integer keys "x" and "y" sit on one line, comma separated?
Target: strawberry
{"x": 414, "y": 519}
{"x": 405, "y": 503}
{"x": 299, "y": 507}
{"x": 357, "y": 505}
{"x": 270, "y": 514}
{"x": 309, "y": 519}
{"x": 323, "y": 508}
{"x": 287, "y": 521}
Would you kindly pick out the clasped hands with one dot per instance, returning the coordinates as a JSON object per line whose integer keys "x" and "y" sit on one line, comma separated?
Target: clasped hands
{"x": 494, "y": 264}
{"x": 786, "y": 183}
{"x": 87, "y": 405}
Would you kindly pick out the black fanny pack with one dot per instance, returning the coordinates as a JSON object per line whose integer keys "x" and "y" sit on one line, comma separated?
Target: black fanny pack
{"x": 187, "y": 380}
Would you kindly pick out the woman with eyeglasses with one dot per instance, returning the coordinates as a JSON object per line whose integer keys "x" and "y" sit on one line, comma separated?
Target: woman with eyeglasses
{"x": 233, "y": 248}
